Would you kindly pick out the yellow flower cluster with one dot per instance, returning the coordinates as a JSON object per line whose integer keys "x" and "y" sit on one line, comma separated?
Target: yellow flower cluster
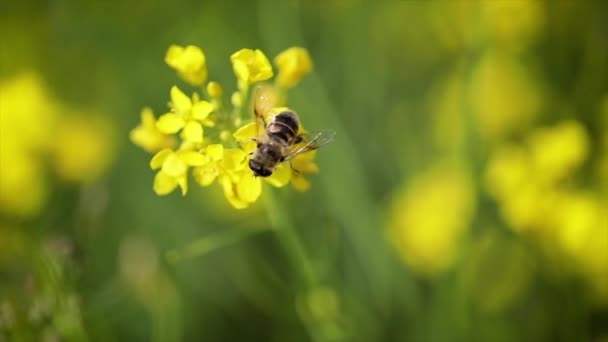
{"x": 429, "y": 218}
{"x": 536, "y": 189}
{"x": 199, "y": 136}
{"x": 36, "y": 131}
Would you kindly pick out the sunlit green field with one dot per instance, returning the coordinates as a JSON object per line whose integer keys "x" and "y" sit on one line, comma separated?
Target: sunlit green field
{"x": 464, "y": 197}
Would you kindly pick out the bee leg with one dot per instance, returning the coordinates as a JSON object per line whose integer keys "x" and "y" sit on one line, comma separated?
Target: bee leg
{"x": 247, "y": 155}
{"x": 292, "y": 168}
{"x": 298, "y": 139}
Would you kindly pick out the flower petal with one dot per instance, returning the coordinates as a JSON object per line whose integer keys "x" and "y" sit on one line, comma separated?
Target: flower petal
{"x": 193, "y": 132}
{"x": 305, "y": 166}
{"x": 182, "y": 181}
{"x": 230, "y": 194}
{"x": 159, "y": 158}
{"x": 293, "y": 63}
{"x": 249, "y": 188}
{"x": 201, "y": 110}
{"x": 179, "y": 101}
{"x": 206, "y": 174}
{"x": 280, "y": 176}
{"x": 246, "y": 133}
{"x": 170, "y": 123}
{"x": 215, "y": 152}
{"x": 300, "y": 183}
{"x": 192, "y": 158}
{"x": 147, "y": 117}
{"x": 262, "y": 68}
{"x": 234, "y": 159}
{"x": 164, "y": 184}
{"x": 174, "y": 166}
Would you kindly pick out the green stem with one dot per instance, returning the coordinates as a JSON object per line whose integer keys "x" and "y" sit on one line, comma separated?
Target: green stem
{"x": 211, "y": 243}
{"x": 287, "y": 236}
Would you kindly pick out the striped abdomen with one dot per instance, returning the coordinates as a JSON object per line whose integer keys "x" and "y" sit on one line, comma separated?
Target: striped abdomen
{"x": 284, "y": 128}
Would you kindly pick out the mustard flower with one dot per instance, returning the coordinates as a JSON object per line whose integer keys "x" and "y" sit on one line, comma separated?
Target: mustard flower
{"x": 186, "y": 114}
{"x": 250, "y": 66}
{"x": 174, "y": 169}
{"x": 222, "y": 155}
{"x": 148, "y": 136}
{"x": 228, "y": 166}
{"x": 189, "y": 62}
{"x": 428, "y": 241}
{"x": 214, "y": 90}
{"x": 293, "y": 64}
{"x": 83, "y": 148}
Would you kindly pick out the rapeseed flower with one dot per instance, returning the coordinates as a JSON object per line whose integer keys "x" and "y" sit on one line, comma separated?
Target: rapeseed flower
{"x": 430, "y": 217}
{"x": 293, "y": 63}
{"x": 189, "y": 62}
{"x": 36, "y": 125}
{"x": 148, "y": 136}
{"x": 173, "y": 169}
{"x": 187, "y": 115}
{"x": 250, "y": 66}
{"x": 181, "y": 141}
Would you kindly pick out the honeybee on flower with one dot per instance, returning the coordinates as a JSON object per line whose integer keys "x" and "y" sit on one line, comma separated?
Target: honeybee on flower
{"x": 236, "y": 147}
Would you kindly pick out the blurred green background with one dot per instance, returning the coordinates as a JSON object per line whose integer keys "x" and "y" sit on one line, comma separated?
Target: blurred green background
{"x": 464, "y": 199}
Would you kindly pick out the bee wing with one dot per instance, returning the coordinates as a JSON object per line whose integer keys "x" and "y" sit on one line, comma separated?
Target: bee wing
{"x": 312, "y": 141}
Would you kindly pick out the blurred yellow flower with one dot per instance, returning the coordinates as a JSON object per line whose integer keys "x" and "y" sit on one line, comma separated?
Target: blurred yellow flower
{"x": 28, "y": 117}
{"x": 189, "y": 62}
{"x": 512, "y": 23}
{"x": 186, "y": 114}
{"x": 559, "y": 150}
{"x": 507, "y": 170}
{"x": 148, "y": 136}
{"x": 83, "y": 147}
{"x": 174, "y": 169}
{"x": 578, "y": 217}
{"x": 293, "y": 64}
{"x": 524, "y": 178}
{"x": 505, "y": 98}
{"x": 214, "y": 90}
{"x": 23, "y": 184}
{"x": 250, "y": 66}
{"x": 430, "y": 216}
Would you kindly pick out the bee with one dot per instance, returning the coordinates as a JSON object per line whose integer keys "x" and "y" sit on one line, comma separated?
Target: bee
{"x": 280, "y": 140}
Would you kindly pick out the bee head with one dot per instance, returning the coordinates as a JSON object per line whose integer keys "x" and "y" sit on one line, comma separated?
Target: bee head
{"x": 259, "y": 169}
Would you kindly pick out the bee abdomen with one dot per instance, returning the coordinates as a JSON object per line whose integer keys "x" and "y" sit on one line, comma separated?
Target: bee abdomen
{"x": 284, "y": 127}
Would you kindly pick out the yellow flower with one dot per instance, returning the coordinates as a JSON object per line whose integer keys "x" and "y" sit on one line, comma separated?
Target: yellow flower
{"x": 505, "y": 98}
{"x": 148, "y": 136}
{"x": 186, "y": 114}
{"x": 173, "y": 169}
{"x": 83, "y": 147}
{"x": 229, "y": 166}
{"x": 250, "y": 66}
{"x": 430, "y": 217}
{"x": 559, "y": 150}
{"x": 303, "y": 164}
{"x": 28, "y": 116}
{"x": 211, "y": 169}
{"x": 189, "y": 62}
{"x": 214, "y": 90}
{"x": 293, "y": 63}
